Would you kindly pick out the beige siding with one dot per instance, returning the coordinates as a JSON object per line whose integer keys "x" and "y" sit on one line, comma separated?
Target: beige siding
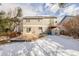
{"x": 34, "y": 24}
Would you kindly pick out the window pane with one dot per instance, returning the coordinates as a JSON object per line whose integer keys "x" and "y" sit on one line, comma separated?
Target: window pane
{"x": 40, "y": 28}
{"x": 28, "y": 29}
{"x": 55, "y": 21}
{"x": 28, "y": 20}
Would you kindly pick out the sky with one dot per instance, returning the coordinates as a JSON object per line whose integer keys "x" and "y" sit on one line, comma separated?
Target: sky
{"x": 45, "y": 9}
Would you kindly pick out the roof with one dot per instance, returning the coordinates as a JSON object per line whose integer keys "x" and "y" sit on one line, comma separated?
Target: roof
{"x": 34, "y": 17}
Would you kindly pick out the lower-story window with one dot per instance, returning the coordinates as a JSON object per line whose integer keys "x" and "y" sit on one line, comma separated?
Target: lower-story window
{"x": 40, "y": 28}
{"x": 28, "y": 29}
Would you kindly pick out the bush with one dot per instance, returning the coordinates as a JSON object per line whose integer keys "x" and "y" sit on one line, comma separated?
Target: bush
{"x": 13, "y": 34}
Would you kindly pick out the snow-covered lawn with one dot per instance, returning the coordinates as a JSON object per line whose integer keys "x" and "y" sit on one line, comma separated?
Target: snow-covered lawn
{"x": 47, "y": 46}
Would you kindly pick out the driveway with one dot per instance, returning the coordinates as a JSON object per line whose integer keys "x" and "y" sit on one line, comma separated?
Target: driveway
{"x": 47, "y": 46}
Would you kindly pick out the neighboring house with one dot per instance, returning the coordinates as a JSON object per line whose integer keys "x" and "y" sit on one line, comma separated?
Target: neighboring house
{"x": 37, "y": 24}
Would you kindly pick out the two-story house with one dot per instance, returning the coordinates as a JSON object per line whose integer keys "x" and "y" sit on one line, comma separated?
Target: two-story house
{"x": 37, "y": 24}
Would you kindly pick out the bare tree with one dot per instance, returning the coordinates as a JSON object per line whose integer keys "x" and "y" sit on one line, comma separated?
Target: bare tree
{"x": 19, "y": 12}
{"x": 72, "y": 26}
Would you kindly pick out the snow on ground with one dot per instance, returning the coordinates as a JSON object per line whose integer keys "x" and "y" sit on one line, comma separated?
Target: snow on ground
{"x": 47, "y": 46}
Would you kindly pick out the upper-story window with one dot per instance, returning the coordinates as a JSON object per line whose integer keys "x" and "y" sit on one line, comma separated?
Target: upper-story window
{"x": 28, "y": 20}
{"x": 39, "y": 20}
